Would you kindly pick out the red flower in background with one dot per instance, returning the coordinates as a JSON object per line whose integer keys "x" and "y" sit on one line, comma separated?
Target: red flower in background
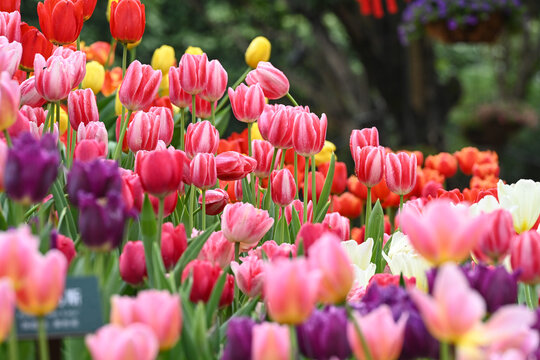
{"x": 33, "y": 42}
{"x": 61, "y": 20}
{"x": 10, "y": 5}
{"x": 128, "y": 20}
{"x": 376, "y": 8}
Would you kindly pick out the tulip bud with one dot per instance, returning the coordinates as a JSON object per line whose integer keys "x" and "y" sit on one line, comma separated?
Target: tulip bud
{"x": 400, "y": 172}
{"x": 276, "y": 123}
{"x": 203, "y": 171}
{"x": 271, "y": 341}
{"x": 201, "y": 137}
{"x": 29, "y": 94}
{"x": 274, "y": 251}
{"x": 258, "y": 50}
{"x": 216, "y": 82}
{"x": 216, "y": 200}
{"x": 299, "y": 208}
{"x": 194, "y": 50}
{"x": 10, "y": 55}
{"x": 173, "y": 244}
{"x": 249, "y": 275}
{"x": 217, "y": 250}
{"x": 309, "y": 234}
{"x": 309, "y": 133}
{"x": 160, "y": 183}
{"x": 339, "y": 225}
{"x": 127, "y": 21}
{"x": 143, "y": 131}
{"x": 166, "y": 123}
{"x": 169, "y": 203}
{"x": 247, "y": 102}
{"x": 238, "y": 344}
{"x": 10, "y": 24}
{"x": 82, "y": 107}
{"x": 193, "y": 73}
{"x": 494, "y": 245}
{"x": 132, "y": 263}
{"x": 283, "y": 187}
{"x": 163, "y": 58}
{"x": 263, "y": 153}
{"x": 369, "y": 165}
{"x": 203, "y": 108}
{"x": 273, "y": 82}
{"x": 444, "y": 163}
{"x": 232, "y": 165}
{"x": 243, "y": 223}
{"x": 363, "y": 138}
{"x": 17, "y": 247}
{"x": 177, "y": 95}
{"x": 140, "y": 85}
{"x": 52, "y": 20}
{"x": 205, "y": 276}
{"x": 95, "y": 77}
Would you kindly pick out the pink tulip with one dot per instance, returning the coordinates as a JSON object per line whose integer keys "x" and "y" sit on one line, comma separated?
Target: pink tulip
{"x": 203, "y": 108}
{"x": 77, "y": 60}
{"x": 201, "y": 137}
{"x": 232, "y": 165}
{"x": 249, "y": 275}
{"x": 494, "y": 245}
{"x": 216, "y": 200}
{"x": 309, "y": 133}
{"x": 270, "y": 341}
{"x": 263, "y": 153}
{"x": 43, "y": 287}
{"x": 134, "y": 342}
{"x": 525, "y": 255}
{"x": 9, "y": 100}
{"x": 299, "y": 207}
{"x": 177, "y": 95}
{"x": 17, "y": 250}
{"x": 82, "y": 107}
{"x": 337, "y": 275}
{"x": 443, "y": 232}
{"x": 94, "y": 130}
{"x": 454, "y": 309}
{"x": 400, "y": 172}
{"x": 10, "y": 55}
{"x": 217, "y": 250}
{"x": 54, "y": 77}
{"x": 243, "y": 223}
{"x": 160, "y": 171}
{"x": 173, "y": 244}
{"x": 383, "y": 336}
{"x": 283, "y": 187}
{"x": 193, "y": 73}
{"x": 10, "y": 25}
{"x": 166, "y": 123}
{"x": 88, "y": 150}
{"x": 273, "y": 82}
{"x": 30, "y": 95}
{"x": 26, "y": 116}
{"x": 3, "y": 157}
{"x": 300, "y": 284}
{"x": 203, "y": 171}
{"x": 139, "y": 87}
{"x": 7, "y": 308}
{"x": 369, "y": 164}
{"x": 340, "y": 225}
{"x": 363, "y": 138}
{"x": 274, "y": 251}
{"x": 247, "y": 102}
{"x": 143, "y": 131}
{"x": 216, "y": 82}
{"x": 276, "y": 123}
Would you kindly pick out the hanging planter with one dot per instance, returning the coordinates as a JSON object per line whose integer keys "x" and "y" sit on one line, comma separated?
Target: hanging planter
{"x": 486, "y": 31}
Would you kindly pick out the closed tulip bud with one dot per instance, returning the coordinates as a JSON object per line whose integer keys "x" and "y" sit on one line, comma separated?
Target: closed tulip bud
{"x": 169, "y": 205}
{"x": 203, "y": 109}
{"x": 10, "y": 24}
{"x": 166, "y": 123}
{"x": 232, "y": 166}
{"x": 17, "y": 250}
{"x": 247, "y": 102}
{"x": 127, "y": 21}
{"x": 258, "y": 50}
{"x": 400, "y": 172}
{"x": 61, "y": 20}
{"x": 177, "y": 95}
{"x": 369, "y": 165}
{"x": 33, "y": 42}
{"x": 94, "y": 130}
{"x": 143, "y": 131}
{"x": 362, "y": 138}
{"x": 216, "y": 82}
{"x": 283, "y": 187}
{"x": 88, "y": 150}
{"x": 494, "y": 245}
{"x": 309, "y": 234}
{"x": 249, "y": 275}
{"x": 64, "y": 244}
{"x": 132, "y": 263}
{"x": 44, "y": 285}
{"x": 171, "y": 166}
{"x": 276, "y": 124}
{"x": 82, "y": 108}
{"x": 205, "y": 276}
{"x": 445, "y": 163}
{"x": 193, "y": 73}
{"x": 524, "y": 253}
{"x": 132, "y": 191}
{"x": 309, "y": 133}
{"x": 243, "y": 223}
{"x": 201, "y": 137}
{"x": 10, "y": 55}
{"x": 29, "y": 94}
{"x": 163, "y": 58}
{"x": 216, "y": 200}
{"x": 7, "y": 308}
{"x": 273, "y": 82}
{"x": 203, "y": 171}
{"x": 274, "y": 251}
{"x": 194, "y": 50}
{"x": 140, "y": 85}
{"x": 299, "y": 208}
{"x": 271, "y": 341}
{"x": 9, "y": 100}
{"x": 340, "y": 225}
{"x": 263, "y": 153}
{"x": 116, "y": 342}
{"x": 173, "y": 244}
{"x": 95, "y": 77}
{"x": 217, "y": 250}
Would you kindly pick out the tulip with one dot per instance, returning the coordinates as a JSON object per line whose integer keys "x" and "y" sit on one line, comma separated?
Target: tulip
{"x": 177, "y": 95}
{"x": 42, "y": 289}
{"x": 231, "y": 166}
{"x": 203, "y": 108}
{"x": 171, "y": 166}
{"x": 239, "y": 334}
{"x": 249, "y": 275}
{"x": 319, "y": 184}
{"x": 127, "y": 21}
{"x": 7, "y": 308}
{"x": 273, "y": 82}
{"x": 173, "y": 244}
{"x": 95, "y": 77}
{"x": 216, "y": 82}
{"x": 299, "y": 282}
{"x": 299, "y": 208}
{"x": 31, "y": 167}
{"x": 97, "y": 178}
{"x": 444, "y": 163}
{"x": 203, "y": 171}
{"x": 274, "y": 251}
{"x": 216, "y": 200}
{"x": 466, "y": 158}
{"x": 524, "y": 251}
{"x": 205, "y": 275}
{"x": 494, "y": 245}
{"x": 64, "y": 244}
{"x": 94, "y": 130}
{"x": 271, "y": 341}
{"x": 363, "y": 138}
{"x": 10, "y": 25}
{"x": 10, "y": 55}
{"x": 132, "y": 191}
{"x": 276, "y": 123}
{"x": 143, "y": 131}
{"x": 33, "y": 42}
{"x": 283, "y": 188}
{"x": 166, "y": 121}
{"x": 136, "y": 341}
{"x": 89, "y": 6}
{"x": 339, "y": 183}
{"x": 163, "y": 58}
{"x": 383, "y": 336}
{"x": 308, "y": 234}
{"x": 369, "y": 165}
{"x": 9, "y": 100}
{"x": 325, "y": 155}
{"x": 89, "y": 149}
{"x": 61, "y": 20}
{"x": 132, "y": 263}
{"x": 140, "y": 85}
{"x": 247, "y": 102}
{"x": 339, "y": 225}
{"x": 263, "y": 153}
{"x": 258, "y": 50}
{"x": 82, "y": 107}
{"x": 10, "y": 5}
{"x": 217, "y": 250}
{"x": 193, "y": 73}
{"x": 517, "y": 198}
{"x": 243, "y": 223}
{"x": 201, "y": 137}
{"x": 308, "y": 133}
{"x": 29, "y": 94}
{"x": 17, "y": 249}
{"x": 169, "y": 203}
{"x": 400, "y": 172}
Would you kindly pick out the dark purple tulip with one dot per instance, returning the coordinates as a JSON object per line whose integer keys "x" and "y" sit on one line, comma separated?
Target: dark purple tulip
{"x": 96, "y": 177}
{"x": 239, "y": 334}
{"x": 31, "y": 167}
{"x": 101, "y": 221}
{"x": 324, "y": 335}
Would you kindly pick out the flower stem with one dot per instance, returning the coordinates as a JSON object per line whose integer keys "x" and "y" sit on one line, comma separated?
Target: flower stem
{"x": 42, "y": 335}
{"x": 291, "y": 99}
{"x": 124, "y": 124}
{"x": 444, "y": 351}
{"x": 203, "y": 212}
{"x": 190, "y": 209}
{"x": 12, "y": 344}
{"x": 368, "y": 210}
{"x": 8, "y": 138}
{"x": 292, "y": 333}
{"x": 282, "y": 162}
{"x": 400, "y": 208}
{"x": 124, "y": 61}
{"x": 182, "y": 127}
{"x": 57, "y": 120}
{"x": 306, "y": 168}
{"x": 313, "y": 182}
{"x": 193, "y": 110}
{"x": 213, "y": 107}
{"x": 249, "y": 138}
{"x": 531, "y": 298}
{"x": 160, "y": 219}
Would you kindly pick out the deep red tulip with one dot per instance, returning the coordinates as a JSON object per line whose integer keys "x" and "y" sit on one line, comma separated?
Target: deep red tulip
{"x": 205, "y": 276}
{"x": 33, "y": 42}
{"x": 160, "y": 171}
{"x": 247, "y": 102}
{"x": 140, "y": 85}
{"x": 61, "y": 20}
{"x": 127, "y": 21}
{"x": 364, "y": 137}
{"x": 283, "y": 187}
{"x": 309, "y": 133}
{"x": 169, "y": 203}
{"x": 369, "y": 164}
{"x": 10, "y": 24}
{"x": 173, "y": 244}
{"x": 203, "y": 171}
{"x": 273, "y": 82}
{"x": 201, "y": 137}
{"x": 193, "y": 73}
{"x": 10, "y": 5}
{"x": 132, "y": 263}
{"x": 65, "y": 245}
{"x": 232, "y": 165}
{"x": 400, "y": 172}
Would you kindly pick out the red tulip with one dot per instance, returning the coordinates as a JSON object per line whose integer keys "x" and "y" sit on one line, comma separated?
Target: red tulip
{"x": 160, "y": 171}
{"x": 92, "y": 141}
{"x": 339, "y": 183}
{"x": 65, "y": 245}
{"x": 364, "y": 137}
{"x": 201, "y": 137}
{"x": 173, "y": 244}
{"x": 217, "y": 250}
{"x": 205, "y": 276}
{"x": 88, "y": 9}
{"x": 466, "y": 158}
{"x": 273, "y": 82}
{"x": 33, "y": 42}
{"x": 193, "y": 73}
{"x": 132, "y": 190}
{"x": 494, "y": 245}
{"x": 216, "y": 199}
{"x": 276, "y": 124}
{"x": 308, "y": 133}
{"x": 247, "y": 102}
{"x": 203, "y": 108}
{"x": 309, "y": 233}
{"x": 127, "y": 21}
{"x": 143, "y": 131}
{"x": 524, "y": 255}
{"x": 166, "y": 123}
{"x": 216, "y": 82}
{"x": 10, "y": 24}
{"x": 283, "y": 187}
{"x": 347, "y": 205}
{"x": 10, "y": 5}
{"x": 203, "y": 171}
{"x": 369, "y": 164}
{"x": 82, "y": 107}
{"x": 232, "y": 165}
{"x": 61, "y": 20}
{"x": 169, "y": 204}
{"x": 140, "y": 85}
{"x": 263, "y": 153}
{"x": 88, "y": 150}
{"x": 132, "y": 263}
{"x": 400, "y": 172}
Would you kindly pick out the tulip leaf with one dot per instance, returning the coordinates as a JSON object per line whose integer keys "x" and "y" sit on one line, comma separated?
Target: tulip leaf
{"x": 376, "y": 231}
{"x": 60, "y": 203}
{"x": 322, "y": 213}
{"x": 247, "y": 192}
{"x": 325, "y": 193}
{"x": 159, "y": 268}
{"x": 222, "y": 120}
{"x": 295, "y": 222}
{"x": 199, "y": 330}
{"x": 213, "y": 302}
{"x": 193, "y": 250}
{"x": 148, "y": 224}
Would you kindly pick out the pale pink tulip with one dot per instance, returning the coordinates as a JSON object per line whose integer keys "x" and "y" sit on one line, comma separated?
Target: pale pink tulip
{"x": 10, "y": 25}
{"x": 17, "y": 250}
{"x": 369, "y": 164}
{"x": 217, "y": 250}
{"x": 133, "y": 342}
{"x": 249, "y": 275}
{"x": 10, "y": 55}
{"x": 143, "y": 131}
{"x": 270, "y": 342}
{"x": 243, "y": 223}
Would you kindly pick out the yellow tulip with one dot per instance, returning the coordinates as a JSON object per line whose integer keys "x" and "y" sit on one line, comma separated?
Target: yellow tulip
{"x": 326, "y": 153}
{"x": 108, "y": 13}
{"x": 117, "y": 104}
{"x": 95, "y": 76}
{"x": 255, "y": 133}
{"x": 62, "y": 128}
{"x": 258, "y": 50}
{"x": 194, "y": 50}
{"x": 163, "y": 58}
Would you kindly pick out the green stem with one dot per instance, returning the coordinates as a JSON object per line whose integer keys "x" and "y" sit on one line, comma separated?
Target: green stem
{"x": 123, "y": 127}
{"x": 193, "y": 110}
{"x": 8, "y": 138}
{"x": 42, "y": 335}
{"x": 57, "y": 120}
{"x": 50, "y": 110}
{"x": 400, "y": 208}
{"x": 124, "y": 61}
{"x": 282, "y": 162}
{"x": 296, "y": 174}
{"x": 160, "y": 219}
{"x": 269, "y": 188}
{"x": 291, "y": 99}
{"x": 190, "y": 209}
{"x": 68, "y": 137}
{"x": 444, "y": 348}
{"x": 368, "y": 210}
{"x": 238, "y": 82}
{"x": 79, "y": 43}
{"x": 294, "y": 345}
{"x": 132, "y": 54}
{"x": 306, "y": 168}
{"x": 203, "y": 212}
{"x": 213, "y": 107}
{"x": 13, "y": 344}
{"x": 313, "y": 182}
{"x": 359, "y": 332}
{"x": 249, "y": 125}
{"x": 73, "y": 141}
{"x": 236, "y": 251}
{"x": 182, "y": 127}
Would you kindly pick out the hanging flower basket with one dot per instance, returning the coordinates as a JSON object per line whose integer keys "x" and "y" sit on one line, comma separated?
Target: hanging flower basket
{"x": 485, "y": 31}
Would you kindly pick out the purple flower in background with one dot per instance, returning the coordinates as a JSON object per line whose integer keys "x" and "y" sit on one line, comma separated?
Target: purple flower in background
{"x": 97, "y": 177}
{"x": 239, "y": 334}
{"x": 324, "y": 335}
{"x": 31, "y": 167}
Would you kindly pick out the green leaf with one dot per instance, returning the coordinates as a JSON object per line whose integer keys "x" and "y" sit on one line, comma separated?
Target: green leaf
{"x": 322, "y": 213}
{"x": 60, "y": 202}
{"x": 193, "y": 250}
{"x": 222, "y": 120}
{"x": 295, "y": 222}
{"x": 148, "y": 225}
{"x": 376, "y": 231}
{"x": 199, "y": 330}
{"x": 213, "y": 302}
{"x": 325, "y": 193}
{"x": 159, "y": 268}
{"x": 247, "y": 192}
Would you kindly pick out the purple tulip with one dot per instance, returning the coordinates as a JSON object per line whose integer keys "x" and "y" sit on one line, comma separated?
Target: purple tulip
{"x": 97, "y": 177}
{"x": 239, "y": 334}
